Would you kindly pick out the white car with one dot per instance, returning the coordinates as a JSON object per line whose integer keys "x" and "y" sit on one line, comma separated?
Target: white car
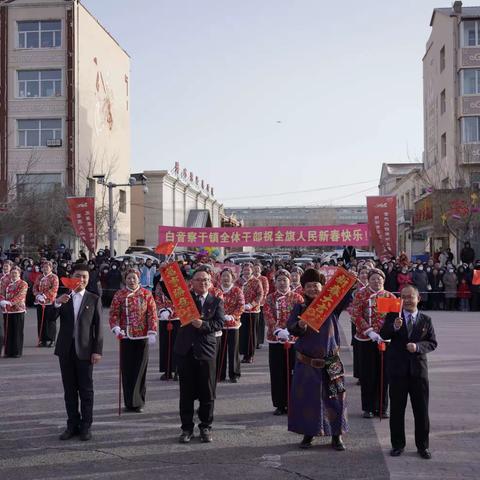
{"x": 136, "y": 257}
{"x": 337, "y": 254}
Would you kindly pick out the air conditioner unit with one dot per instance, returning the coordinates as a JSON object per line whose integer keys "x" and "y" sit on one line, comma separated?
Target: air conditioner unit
{"x": 54, "y": 142}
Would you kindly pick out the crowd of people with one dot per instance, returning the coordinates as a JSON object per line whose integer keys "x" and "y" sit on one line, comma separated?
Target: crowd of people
{"x": 241, "y": 308}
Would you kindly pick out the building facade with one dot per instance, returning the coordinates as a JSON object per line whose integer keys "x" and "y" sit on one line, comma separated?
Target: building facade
{"x": 174, "y": 198}
{"x": 64, "y": 115}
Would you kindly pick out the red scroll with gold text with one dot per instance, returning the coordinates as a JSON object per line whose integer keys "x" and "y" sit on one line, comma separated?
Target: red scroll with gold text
{"x": 331, "y": 295}
{"x": 82, "y": 215}
{"x": 177, "y": 287}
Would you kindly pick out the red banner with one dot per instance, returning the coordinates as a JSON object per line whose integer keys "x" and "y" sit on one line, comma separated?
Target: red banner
{"x": 331, "y": 295}
{"x": 82, "y": 215}
{"x": 333, "y": 235}
{"x": 185, "y": 307}
{"x": 382, "y": 219}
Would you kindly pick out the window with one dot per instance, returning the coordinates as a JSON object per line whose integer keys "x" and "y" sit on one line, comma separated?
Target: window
{"x": 470, "y": 129}
{"x": 122, "y": 201}
{"x": 443, "y": 105}
{"x": 38, "y": 183}
{"x": 35, "y": 133}
{"x": 443, "y": 145}
{"x": 470, "y": 82}
{"x": 39, "y": 34}
{"x": 471, "y": 33}
{"x": 39, "y": 83}
{"x": 442, "y": 59}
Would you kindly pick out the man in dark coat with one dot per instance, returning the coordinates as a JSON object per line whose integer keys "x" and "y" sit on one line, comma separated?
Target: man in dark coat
{"x": 195, "y": 347}
{"x": 412, "y": 337}
{"x": 467, "y": 254}
{"x": 79, "y": 347}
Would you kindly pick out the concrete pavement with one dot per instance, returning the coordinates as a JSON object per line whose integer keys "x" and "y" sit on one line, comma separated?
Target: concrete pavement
{"x": 249, "y": 442}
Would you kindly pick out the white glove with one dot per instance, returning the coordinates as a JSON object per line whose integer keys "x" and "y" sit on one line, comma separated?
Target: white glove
{"x": 248, "y": 306}
{"x": 3, "y": 303}
{"x": 229, "y": 318}
{"x": 375, "y": 337}
{"x": 118, "y": 332}
{"x": 152, "y": 338}
{"x": 282, "y": 334}
{"x": 165, "y": 314}
{"x": 41, "y": 298}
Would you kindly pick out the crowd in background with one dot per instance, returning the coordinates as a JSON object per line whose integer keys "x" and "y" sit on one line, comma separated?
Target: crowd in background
{"x": 444, "y": 284}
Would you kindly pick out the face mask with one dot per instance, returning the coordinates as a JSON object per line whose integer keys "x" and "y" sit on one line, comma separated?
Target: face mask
{"x": 114, "y": 267}
{"x": 404, "y": 270}
{"x": 450, "y": 270}
{"x": 420, "y": 267}
{"x": 29, "y": 269}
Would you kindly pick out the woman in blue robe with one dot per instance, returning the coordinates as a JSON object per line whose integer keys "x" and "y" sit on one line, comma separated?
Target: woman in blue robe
{"x": 317, "y": 397}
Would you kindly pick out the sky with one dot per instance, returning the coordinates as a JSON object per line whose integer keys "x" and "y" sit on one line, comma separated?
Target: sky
{"x": 274, "y": 102}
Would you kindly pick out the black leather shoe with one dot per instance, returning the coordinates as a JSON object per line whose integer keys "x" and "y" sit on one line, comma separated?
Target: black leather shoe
{"x": 306, "y": 442}
{"x": 233, "y": 380}
{"x": 279, "y": 411}
{"x": 185, "y": 436}
{"x": 68, "y": 434}
{"x": 425, "y": 454}
{"x": 367, "y": 414}
{"x": 396, "y": 452}
{"x": 85, "y": 435}
{"x": 337, "y": 443}
{"x": 205, "y": 436}
{"x": 385, "y": 415}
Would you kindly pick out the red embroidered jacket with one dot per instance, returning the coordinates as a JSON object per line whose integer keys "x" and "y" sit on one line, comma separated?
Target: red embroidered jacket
{"x": 4, "y": 282}
{"x": 163, "y": 303}
{"x": 297, "y": 289}
{"x": 16, "y": 293}
{"x": 46, "y": 285}
{"x": 253, "y": 293}
{"x": 266, "y": 288}
{"x": 134, "y": 312}
{"x": 277, "y": 310}
{"x": 364, "y": 312}
{"x": 215, "y": 292}
{"x": 234, "y": 305}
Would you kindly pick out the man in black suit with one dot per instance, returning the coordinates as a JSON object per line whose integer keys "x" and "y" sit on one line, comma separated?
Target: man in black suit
{"x": 79, "y": 348}
{"x": 195, "y": 347}
{"x": 412, "y": 337}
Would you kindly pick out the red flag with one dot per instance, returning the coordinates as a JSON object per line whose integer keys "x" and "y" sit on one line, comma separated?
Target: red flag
{"x": 476, "y": 277}
{"x": 82, "y": 215}
{"x": 70, "y": 283}
{"x": 388, "y": 304}
{"x": 165, "y": 248}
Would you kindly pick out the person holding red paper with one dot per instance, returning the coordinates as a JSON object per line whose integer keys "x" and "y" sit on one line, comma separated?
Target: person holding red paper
{"x": 45, "y": 290}
{"x": 369, "y": 320}
{"x": 317, "y": 397}
{"x": 133, "y": 319}
{"x": 253, "y": 293}
{"x": 195, "y": 348}
{"x": 234, "y": 304}
{"x": 13, "y": 307}
{"x": 278, "y": 306}
{"x": 412, "y": 336}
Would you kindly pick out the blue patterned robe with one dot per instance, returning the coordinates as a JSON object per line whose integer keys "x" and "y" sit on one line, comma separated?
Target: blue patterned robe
{"x": 311, "y": 412}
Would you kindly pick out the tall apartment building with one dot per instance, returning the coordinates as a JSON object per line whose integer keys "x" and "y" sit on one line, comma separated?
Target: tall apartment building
{"x": 64, "y": 105}
{"x": 451, "y": 98}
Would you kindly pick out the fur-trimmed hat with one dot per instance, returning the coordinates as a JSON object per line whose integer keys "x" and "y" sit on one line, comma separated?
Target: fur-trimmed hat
{"x": 312, "y": 275}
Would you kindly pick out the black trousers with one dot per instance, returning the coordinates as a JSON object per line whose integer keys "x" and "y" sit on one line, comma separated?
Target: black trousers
{"x": 13, "y": 323}
{"x": 356, "y": 353}
{"x": 370, "y": 377}
{"x": 167, "y": 360}
{"x": 197, "y": 381}
{"x": 417, "y": 388}
{"x": 48, "y": 331}
{"x": 248, "y": 334}
{"x": 134, "y": 363}
{"x": 260, "y": 328}
{"x": 228, "y": 352}
{"x": 277, "y": 360}
{"x": 77, "y": 378}
{"x": 2, "y": 337}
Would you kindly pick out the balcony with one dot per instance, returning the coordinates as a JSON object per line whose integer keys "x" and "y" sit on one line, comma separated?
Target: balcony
{"x": 470, "y": 105}
{"x": 469, "y": 154}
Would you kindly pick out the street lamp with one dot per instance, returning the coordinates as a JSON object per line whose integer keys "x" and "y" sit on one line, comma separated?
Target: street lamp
{"x": 132, "y": 181}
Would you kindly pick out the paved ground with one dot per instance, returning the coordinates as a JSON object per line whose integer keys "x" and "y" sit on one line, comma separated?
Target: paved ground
{"x": 249, "y": 442}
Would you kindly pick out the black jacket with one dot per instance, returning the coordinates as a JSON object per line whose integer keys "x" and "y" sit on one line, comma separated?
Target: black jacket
{"x": 202, "y": 339}
{"x": 89, "y": 335}
{"x": 401, "y": 362}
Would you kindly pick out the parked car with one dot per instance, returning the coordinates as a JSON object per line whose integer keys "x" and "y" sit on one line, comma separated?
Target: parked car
{"x": 336, "y": 254}
{"x": 302, "y": 261}
{"x": 136, "y": 257}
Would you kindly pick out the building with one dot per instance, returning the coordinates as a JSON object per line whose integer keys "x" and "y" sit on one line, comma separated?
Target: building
{"x": 451, "y": 104}
{"x": 406, "y": 181}
{"x": 174, "y": 198}
{"x": 64, "y": 107}
{"x": 298, "y": 216}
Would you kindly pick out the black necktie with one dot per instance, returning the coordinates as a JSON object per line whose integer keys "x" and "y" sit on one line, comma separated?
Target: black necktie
{"x": 409, "y": 324}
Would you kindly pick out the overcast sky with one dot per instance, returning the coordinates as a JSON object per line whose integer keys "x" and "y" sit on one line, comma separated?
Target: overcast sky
{"x": 265, "y": 97}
